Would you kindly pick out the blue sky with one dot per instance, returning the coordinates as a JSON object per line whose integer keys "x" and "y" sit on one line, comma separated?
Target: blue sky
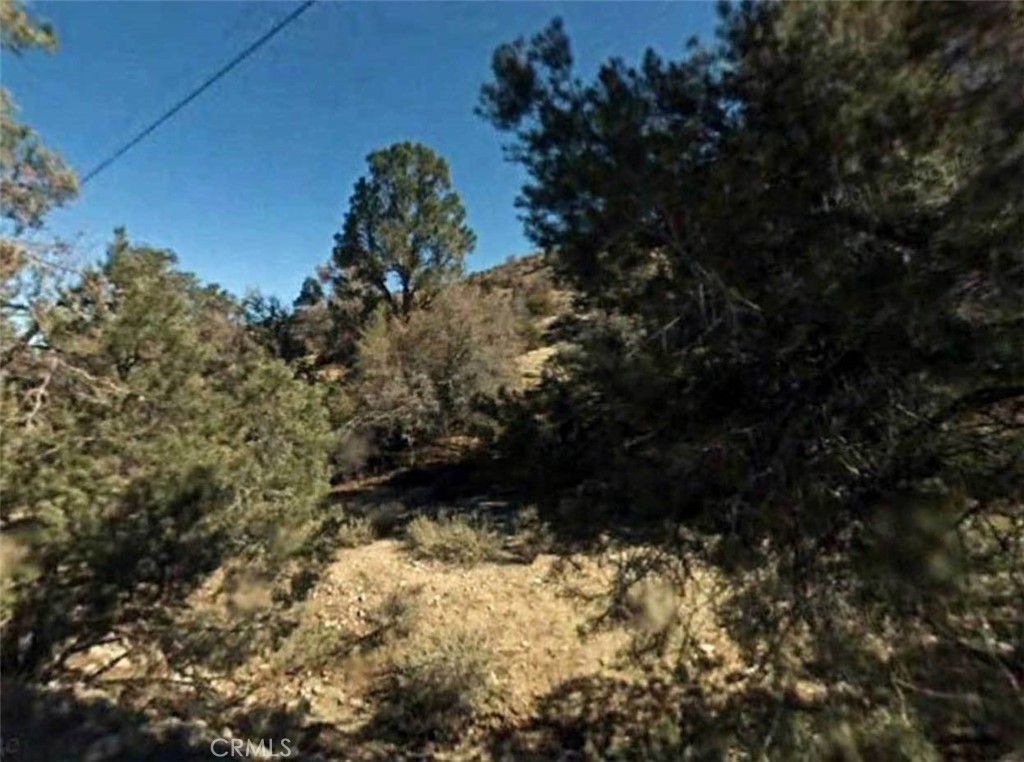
{"x": 249, "y": 183}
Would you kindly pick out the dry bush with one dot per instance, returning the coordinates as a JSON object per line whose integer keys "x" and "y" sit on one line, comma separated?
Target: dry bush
{"x": 394, "y": 619}
{"x": 453, "y": 539}
{"x": 356, "y": 532}
{"x": 386, "y": 517}
{"x": 540, "y": 300}
{"x": 313, "y": 645}
{"x": 421, "y": 377}
{"x": 438, "y": 688}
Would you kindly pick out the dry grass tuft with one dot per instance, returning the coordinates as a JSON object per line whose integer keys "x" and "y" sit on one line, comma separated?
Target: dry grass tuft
{"x": 453, "y": 540}
{"x": 437, "y": 688}
{"x": 313, "y": 645}
{"x": 356, "y": 532}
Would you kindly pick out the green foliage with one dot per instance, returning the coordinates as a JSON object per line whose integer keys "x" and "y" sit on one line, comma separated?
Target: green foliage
{"x": 803, "y": 286}
{"x": 798, "y": 258}
{"x": 147, "y": 438}
{"x": 304, "y": 335}
{"x": 33, "y": 179}
{"x": 273, "y": 326}
{"x": 404, "y": 237}
{"x": 19, "y": 31}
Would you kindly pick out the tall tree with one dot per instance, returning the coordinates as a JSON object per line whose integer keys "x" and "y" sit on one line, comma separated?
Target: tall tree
{"x": 804, "y": 234}
{"x": 803, "y": 251}
{"x": 405, "y": 235}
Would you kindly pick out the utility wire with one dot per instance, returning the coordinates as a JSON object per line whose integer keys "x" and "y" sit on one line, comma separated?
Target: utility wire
{"x": 199, "y": 90}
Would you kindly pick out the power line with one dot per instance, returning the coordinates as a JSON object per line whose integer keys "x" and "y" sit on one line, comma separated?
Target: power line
{"x": 199, "y": 90}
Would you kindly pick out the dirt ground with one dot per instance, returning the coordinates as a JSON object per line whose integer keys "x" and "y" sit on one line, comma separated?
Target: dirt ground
{"x": 552, "y": 651}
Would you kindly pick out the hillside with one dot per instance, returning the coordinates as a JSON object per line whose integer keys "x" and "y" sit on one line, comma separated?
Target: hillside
{"x": 417, "y": 628}
{"x": 436, "y": 616}
{"x": 392, "y": 654}
{"x": 529, "y": 282}
{"x": 752, "y": 490}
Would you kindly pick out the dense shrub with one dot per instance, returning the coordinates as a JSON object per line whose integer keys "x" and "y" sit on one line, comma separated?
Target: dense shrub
{"x": 314, "y": 645}
{"x": 799, "y": 260}
{"x": 146, "y": 438}
{"x": 539, "y": 302}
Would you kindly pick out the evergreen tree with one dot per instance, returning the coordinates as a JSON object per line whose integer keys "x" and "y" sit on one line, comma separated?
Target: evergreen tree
{"x": 807, "y": 244}
{"x": 146, "y": 438}
{"x": 404, "y": 237}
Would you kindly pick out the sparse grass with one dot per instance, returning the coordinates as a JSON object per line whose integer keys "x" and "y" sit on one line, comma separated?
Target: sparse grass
{"x": 396, "y": 617}
{"x": 438, "y": 688}
{"x": 453, "y": 539}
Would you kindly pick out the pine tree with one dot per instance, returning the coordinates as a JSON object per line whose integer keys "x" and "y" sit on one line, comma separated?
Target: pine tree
{"x": 405, "y": 236}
